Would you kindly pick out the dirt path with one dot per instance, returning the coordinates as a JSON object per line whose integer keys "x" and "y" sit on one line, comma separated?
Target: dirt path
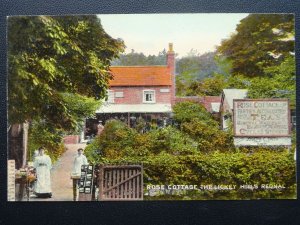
{"x": 60, "y": 176}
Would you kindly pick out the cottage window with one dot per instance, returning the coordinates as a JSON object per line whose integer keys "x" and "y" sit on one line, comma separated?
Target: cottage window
{"x": 149, "y": 96}
{"x": 119, "y": 94}
{"x": 294, "y": 119}
{"x": 164, "y": 90}
{"x": 110, "y": 96}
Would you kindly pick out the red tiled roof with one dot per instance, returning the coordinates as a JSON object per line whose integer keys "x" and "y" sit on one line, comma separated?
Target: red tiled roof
{"x": 140, "y": 76}
{"x": 197, "y": 99}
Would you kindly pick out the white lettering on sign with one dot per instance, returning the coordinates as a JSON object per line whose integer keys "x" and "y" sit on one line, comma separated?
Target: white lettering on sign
{"x": 264, "y": 118}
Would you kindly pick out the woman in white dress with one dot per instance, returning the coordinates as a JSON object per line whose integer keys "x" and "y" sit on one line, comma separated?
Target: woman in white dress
{"x": 79, "y": 161}
{"x": 43, "y": 165}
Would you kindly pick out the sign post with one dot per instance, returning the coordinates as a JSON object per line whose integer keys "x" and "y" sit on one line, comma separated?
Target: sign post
{"x": 11, "y": 176}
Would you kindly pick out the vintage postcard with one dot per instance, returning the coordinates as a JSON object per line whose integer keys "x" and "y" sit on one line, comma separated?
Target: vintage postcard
{"x": 131, "y": 107}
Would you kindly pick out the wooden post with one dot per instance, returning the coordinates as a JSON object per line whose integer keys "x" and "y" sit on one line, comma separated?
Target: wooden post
{"x": 25, "y": 143}
{"x": 142, "y": 183}
{"x": 128, "y": 120}
{"x": 100, "y": 182}
{"x": 75, "y": 183}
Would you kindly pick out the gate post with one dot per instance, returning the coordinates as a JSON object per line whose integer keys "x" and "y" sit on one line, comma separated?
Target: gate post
{"x": 100, "y": 197}
{"x": 142, "y": 182}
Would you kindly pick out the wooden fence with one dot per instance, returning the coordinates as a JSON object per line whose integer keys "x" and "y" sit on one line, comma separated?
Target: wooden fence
{"x": 120, "y": 182}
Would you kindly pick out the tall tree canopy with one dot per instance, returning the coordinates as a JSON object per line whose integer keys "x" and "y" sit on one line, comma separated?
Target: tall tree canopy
{"x": 137, "y": 59}
{"x": 49, "y": 56}
{"x": 198, "y": 66}
{"x": 201, "y": 74}
{"x": 260, "y": 41}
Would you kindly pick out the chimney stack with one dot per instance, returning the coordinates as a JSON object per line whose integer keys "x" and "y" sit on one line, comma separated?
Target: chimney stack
{"x": 171, "y": 66}
{"x": 171, "y": 48}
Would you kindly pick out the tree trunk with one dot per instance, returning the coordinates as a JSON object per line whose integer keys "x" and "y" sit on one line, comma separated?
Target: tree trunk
{"x": 17, "y": 144}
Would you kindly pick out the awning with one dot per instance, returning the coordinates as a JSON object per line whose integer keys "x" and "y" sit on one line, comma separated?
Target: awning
{"x": 134, "y": 108}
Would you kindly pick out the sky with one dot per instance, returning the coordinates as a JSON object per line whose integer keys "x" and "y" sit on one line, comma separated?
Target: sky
{"x": 151, "y": 33}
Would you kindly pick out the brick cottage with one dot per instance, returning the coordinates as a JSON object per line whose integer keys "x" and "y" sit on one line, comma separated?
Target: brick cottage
{"x": 139, "y": 92}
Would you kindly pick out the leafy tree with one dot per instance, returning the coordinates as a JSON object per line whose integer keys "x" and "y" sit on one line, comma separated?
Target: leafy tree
{"x": 50, "y": 56}
{"x": 43, "y": 134}
{"x": 137, "y": 59}
{"x": 187, "y": 111}
{"x": 260, "y": 41}
{"x": 195, "y": 69}
{"x": 224, "y": 64}
{"x": 281, "y": 84}
{"x": 53, "y": 55}
{"x": 210, "y": 86}
{"x": 188, "y": 67}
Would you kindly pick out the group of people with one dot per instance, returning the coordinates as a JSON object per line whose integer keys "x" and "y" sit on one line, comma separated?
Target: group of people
{"x": 42, "y": 164}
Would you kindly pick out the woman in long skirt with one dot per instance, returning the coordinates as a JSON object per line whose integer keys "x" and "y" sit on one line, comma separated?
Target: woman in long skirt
{"x": 43, "y": 165}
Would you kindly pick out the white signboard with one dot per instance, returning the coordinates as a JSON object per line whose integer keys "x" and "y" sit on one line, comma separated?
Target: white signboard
{"x": 11, "y": 180}
{"x": 260, "y": 141}
{"x": 261, "y": 118}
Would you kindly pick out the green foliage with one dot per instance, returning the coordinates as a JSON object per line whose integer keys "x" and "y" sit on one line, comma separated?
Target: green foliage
{"x": 209, "y": 137}
{"x": 137, "y": 59}
{"x": 93, "y": 152}
{"x": 198, "y": 154}
{"x": 57, "y": 66}
{"x": 264, "y": 167}
{"x": 280, "y": 84}
{"x": 210, "y": 86}
{"x": 197, "y": 67}
{"x": 118, "y": 141}
{"x": 79, "y": 106}
{"x": 238, "y": 81}
{"x": 260, "y": 41}
{"x": 187, "y": 111}
{"x": 49, "y": 56}
{"x": 188, "y": 68}
{"x": 43, "y": 134}
{"x": 115, "y": 137}
{"x": 198, "y": 124}
{"x": 200, "y": 74}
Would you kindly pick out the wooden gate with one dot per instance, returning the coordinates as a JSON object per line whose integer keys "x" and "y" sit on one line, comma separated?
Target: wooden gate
{"x": 120, "y": 182}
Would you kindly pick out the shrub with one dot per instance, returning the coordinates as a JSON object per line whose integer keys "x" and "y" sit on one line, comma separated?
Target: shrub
{"x": 209, "y": 138}
{"x": 197, "y": 154}
{"x": 187, "y": 111}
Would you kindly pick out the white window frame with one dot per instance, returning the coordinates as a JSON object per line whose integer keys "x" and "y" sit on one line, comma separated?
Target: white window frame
{"x": 119, "y": 94}
{"x": 147, "y": 92}
{"x": 164, "y": 90}
{"x": 110, "y": 96}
